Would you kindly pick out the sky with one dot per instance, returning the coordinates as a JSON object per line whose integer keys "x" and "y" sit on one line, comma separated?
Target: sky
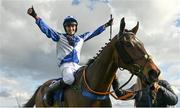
{"x": 28, "y": 58}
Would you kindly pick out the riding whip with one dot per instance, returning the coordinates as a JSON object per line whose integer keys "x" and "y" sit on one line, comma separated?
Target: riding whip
{"x": 110, "y": 28}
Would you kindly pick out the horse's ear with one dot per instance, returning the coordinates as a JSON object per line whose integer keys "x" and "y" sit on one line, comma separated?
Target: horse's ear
{"x": 135, "y": 29}
{"x": 122, "y": 26}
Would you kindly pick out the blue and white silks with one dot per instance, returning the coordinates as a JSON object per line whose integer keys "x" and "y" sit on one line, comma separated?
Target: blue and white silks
{"x": 67, "y": 51}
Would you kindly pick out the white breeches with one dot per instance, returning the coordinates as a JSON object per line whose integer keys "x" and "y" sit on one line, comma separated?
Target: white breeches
{"x": 67, "y": 72}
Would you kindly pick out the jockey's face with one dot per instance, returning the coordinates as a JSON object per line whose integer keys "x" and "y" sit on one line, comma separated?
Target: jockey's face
{"x": 71, "y": 29}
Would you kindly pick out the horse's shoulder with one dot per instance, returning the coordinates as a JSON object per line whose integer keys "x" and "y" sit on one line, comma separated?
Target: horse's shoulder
{"x": 78, "y": 74}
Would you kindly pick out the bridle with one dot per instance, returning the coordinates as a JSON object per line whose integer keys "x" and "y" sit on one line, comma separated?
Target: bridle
{"x": 130, "y": 62}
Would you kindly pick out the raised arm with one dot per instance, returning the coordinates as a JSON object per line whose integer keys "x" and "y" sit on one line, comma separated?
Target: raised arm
{"x": 88, "y": 35}
{"x": 50, "y": 33}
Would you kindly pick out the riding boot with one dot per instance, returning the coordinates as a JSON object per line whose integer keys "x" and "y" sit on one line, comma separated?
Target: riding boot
{"x": 54, "y": 87}
{"x": 115, "y": 85}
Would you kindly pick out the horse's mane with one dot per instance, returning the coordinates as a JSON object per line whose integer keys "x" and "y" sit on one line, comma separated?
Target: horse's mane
{"x": 91, "y": 60}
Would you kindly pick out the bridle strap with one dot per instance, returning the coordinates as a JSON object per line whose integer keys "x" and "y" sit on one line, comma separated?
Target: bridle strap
{"x": 103, "y": 93}
{"x": 126, "y": 82}
{"x": 111, "y": 92}
{"x": 91, "y": 90}
{"x": 140, "y": 70}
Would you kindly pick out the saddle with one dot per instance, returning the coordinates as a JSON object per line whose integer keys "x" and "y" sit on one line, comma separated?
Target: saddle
{"x": 77, "y": 85}
{"x": 58, "y": 96}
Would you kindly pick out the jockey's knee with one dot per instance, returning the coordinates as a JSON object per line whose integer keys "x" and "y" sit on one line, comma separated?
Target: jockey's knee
{"x": 69, "y": 80}
{"x": 68, "y": 76}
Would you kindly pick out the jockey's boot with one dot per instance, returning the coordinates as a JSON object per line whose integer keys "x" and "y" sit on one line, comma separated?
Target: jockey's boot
{"x": 48, "y": 98}
{"x": 115, "y": 85}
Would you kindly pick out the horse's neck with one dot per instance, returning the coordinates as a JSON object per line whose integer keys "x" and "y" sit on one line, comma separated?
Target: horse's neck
{"x": 101, "y": 72}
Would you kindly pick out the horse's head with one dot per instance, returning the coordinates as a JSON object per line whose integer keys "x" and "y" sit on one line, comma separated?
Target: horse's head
{"x": 133, "y": 56}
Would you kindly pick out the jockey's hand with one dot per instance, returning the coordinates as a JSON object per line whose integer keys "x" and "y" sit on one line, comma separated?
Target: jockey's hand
{"x": 109, "y": 23}
{"x": 32, "y": 12}
{"x": 127, "y": 95}
{"x": 155, "y": 87}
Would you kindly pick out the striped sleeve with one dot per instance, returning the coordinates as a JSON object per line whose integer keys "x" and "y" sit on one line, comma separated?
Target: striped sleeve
{"x": 88, "y": 35}
{"x": 49, "y": 32}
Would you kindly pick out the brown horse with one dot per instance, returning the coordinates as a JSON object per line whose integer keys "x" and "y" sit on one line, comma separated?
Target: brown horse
{"x": 123, "y": 51}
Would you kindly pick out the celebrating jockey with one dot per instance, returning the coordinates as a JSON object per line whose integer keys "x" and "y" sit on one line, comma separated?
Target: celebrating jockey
{"x": 68, "y": 49}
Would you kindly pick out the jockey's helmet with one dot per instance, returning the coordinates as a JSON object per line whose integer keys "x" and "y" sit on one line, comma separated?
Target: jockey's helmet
{"x": 70, "y": 20}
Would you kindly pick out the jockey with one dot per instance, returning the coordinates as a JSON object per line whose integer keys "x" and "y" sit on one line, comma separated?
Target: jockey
{"x": 68, "y": 49}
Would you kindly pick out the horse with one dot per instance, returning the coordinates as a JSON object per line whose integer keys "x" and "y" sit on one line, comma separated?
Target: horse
{"x": 123, "y": 51}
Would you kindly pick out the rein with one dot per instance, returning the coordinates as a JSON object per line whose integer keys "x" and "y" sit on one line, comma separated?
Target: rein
{"x": 89, "y": 88}
{"x": 111, "y": 92}
{"x": 128, "y": 61}
{"x": 138, "y": 73}
{"x": 102, "y": 93}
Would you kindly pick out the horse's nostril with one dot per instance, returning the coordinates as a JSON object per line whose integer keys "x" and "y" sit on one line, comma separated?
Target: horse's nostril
{"x": 153, "y": 75}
